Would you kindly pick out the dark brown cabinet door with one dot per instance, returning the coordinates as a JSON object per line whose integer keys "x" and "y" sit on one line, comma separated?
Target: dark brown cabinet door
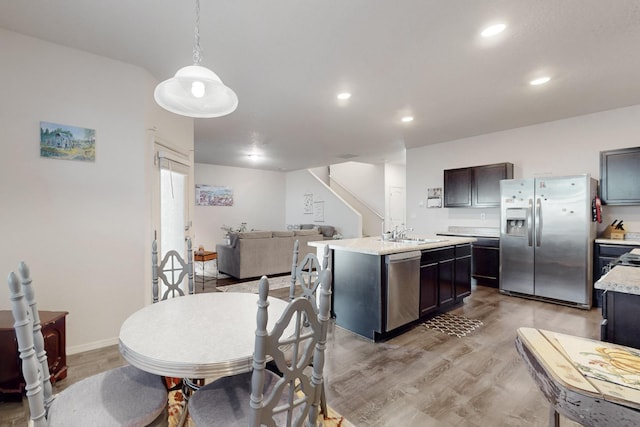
{"x": 457, "y": 187}
{"x": 619, "y": 176}
{"x": 462, "y": 281}
{"x": 428, "y": 288}
{"x": 486, "y": 183}
{"x": 446, "y": 290}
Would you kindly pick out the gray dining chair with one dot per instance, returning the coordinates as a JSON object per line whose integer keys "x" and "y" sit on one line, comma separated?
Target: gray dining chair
{"x": 124, "y": 396}
{"x": 306, "y": 277}
{"x": 171, "y": 271}
{"x": 306, "y": 273}
{"x": 262, "y": 397}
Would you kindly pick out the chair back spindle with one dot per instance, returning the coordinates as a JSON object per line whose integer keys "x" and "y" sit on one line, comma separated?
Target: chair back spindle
{"x": 38, "y": 338}
{"x": 30, "y": 366}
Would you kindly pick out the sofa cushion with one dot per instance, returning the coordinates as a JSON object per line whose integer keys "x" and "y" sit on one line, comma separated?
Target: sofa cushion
{"x": 283, "y": 234}
{"x": 306, "y": 232}
{"x": 307, "y": 226}
{"x": 255, "y": 234}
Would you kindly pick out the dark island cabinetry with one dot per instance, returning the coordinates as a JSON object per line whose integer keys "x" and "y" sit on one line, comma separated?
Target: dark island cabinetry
{"x": 367, "y": 301}
{"x": 477, "y": 186}
{"x": 619, "y": 176}
{"x": 620, "y": 318}
{"x": 445, "y": 277}
{"x": 54, "y": 334}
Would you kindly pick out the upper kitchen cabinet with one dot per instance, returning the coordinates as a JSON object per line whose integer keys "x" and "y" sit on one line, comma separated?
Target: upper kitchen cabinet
{"x": 477, "y": 186}
{"x": 619, "y": 176}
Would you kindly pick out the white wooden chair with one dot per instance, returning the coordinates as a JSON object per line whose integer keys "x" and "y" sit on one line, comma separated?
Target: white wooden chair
{"x": 124, "y": 396}
{"x": 307, "y": 276}
{"x": 262, "y": 397}
{"x": 172, "y": 271}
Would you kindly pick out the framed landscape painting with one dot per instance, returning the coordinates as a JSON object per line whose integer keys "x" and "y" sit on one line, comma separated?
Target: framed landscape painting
{"x": 213, "y": 195}
{"x": 67, "y": 142}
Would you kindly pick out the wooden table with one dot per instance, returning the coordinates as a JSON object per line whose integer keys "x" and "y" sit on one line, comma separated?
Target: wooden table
{"x": 566, "y": 374}
{"x": 196, "y": 336}
{"x": 203, "y": 257}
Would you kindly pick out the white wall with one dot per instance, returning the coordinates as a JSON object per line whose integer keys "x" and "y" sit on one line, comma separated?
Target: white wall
{"x": 563, "y": 147}
{"x": 82, "y": 227}
{"x": 259, "y": 200}
{"x": 366, "y": 181}
{"x": 336, "y": 212}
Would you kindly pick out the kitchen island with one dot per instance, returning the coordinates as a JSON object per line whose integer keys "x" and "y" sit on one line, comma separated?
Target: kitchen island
{"x": 381, "y": 287}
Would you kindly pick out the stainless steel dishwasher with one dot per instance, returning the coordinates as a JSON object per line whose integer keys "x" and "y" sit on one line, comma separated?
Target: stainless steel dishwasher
{"x": 403, "y": 288}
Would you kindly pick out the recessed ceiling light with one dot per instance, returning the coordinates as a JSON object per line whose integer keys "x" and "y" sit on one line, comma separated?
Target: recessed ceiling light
{"x": 344, "y": 95}
{"x": 407, "y": 119}
{"x": 254, "y": 156}
{"x": 493, "y": 30}
{"x": 539, "y": 81}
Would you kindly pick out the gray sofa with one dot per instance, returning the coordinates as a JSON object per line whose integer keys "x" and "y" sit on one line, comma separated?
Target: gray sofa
{"x": 257, "y": 253}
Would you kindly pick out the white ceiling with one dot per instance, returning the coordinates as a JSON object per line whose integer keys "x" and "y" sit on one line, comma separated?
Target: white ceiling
{"x": 287, "y": 60}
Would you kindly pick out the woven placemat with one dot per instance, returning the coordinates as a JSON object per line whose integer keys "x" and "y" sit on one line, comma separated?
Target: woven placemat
{"x": 453, "y": 325}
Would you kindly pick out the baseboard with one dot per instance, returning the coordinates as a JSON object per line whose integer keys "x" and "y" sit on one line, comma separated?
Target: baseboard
{"x": 92, "y": 346}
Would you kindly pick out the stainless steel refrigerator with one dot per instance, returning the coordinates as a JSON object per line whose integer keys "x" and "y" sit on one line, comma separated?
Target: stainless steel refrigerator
{"x": 546, "y": 238}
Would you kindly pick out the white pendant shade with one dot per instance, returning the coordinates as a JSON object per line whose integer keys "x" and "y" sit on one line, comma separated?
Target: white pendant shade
{"x": 196, "y": 91}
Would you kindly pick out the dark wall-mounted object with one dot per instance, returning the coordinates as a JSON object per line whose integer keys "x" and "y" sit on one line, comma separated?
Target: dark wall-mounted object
{"x": 477, "y": 187}
{"x": 619, "y": 176}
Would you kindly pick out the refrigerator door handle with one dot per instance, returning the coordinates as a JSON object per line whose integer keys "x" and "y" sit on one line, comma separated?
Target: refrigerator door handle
{"x": 529, "y": 224}
{"x": 538, "y": 221}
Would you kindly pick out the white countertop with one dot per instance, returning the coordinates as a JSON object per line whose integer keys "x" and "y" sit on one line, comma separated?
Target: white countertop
{"x": 621, "y": 278}
{"x": 619, "y": 242}
{"x": 375, "y": 245}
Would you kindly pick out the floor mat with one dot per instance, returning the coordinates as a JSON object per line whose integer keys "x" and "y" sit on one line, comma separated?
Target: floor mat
{"x": 252, "y": 286}
{"x": 453, "y": 325}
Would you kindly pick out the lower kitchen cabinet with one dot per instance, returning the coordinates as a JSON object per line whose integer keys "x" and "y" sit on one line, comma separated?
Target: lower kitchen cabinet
{"x": 620, "y": 318}
{"x": 445, "y": 277}
{"x": 485, "y": 268}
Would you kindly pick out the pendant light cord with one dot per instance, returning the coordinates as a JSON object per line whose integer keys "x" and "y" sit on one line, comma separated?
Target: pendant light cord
{"x": 197, "y": 57}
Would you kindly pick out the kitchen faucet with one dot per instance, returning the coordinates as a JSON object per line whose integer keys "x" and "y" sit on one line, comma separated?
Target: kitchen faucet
{"x": 400, "y": 234}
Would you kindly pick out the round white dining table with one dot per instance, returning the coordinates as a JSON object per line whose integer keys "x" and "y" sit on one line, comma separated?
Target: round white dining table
{"x": 196, "y": 336}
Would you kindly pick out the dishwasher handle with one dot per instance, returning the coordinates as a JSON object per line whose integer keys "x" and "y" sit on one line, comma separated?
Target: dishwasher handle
{"x": 402, "y": 256}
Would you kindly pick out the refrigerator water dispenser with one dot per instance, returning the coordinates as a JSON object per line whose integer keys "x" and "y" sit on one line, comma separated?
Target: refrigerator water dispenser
{"x": 516, "y": 222}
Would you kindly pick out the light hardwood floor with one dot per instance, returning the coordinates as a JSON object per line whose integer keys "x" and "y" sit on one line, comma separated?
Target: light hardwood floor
{"x": 422, "y": 377}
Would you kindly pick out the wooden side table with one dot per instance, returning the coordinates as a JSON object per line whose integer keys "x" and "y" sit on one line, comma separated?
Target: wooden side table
{"x": 204, "y": 257}
{"x": 54, "y": 333}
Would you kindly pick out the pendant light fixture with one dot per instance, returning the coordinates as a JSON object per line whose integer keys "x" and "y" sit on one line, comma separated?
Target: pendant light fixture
{"x": 196, "y": 91}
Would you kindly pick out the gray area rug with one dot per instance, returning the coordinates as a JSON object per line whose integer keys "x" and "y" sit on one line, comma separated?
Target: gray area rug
{"x": 453, "y": 325}
{"x": 252, "y": 286}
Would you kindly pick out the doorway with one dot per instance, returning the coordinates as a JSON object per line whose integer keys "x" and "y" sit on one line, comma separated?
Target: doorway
{"x": 172, "y": 218}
